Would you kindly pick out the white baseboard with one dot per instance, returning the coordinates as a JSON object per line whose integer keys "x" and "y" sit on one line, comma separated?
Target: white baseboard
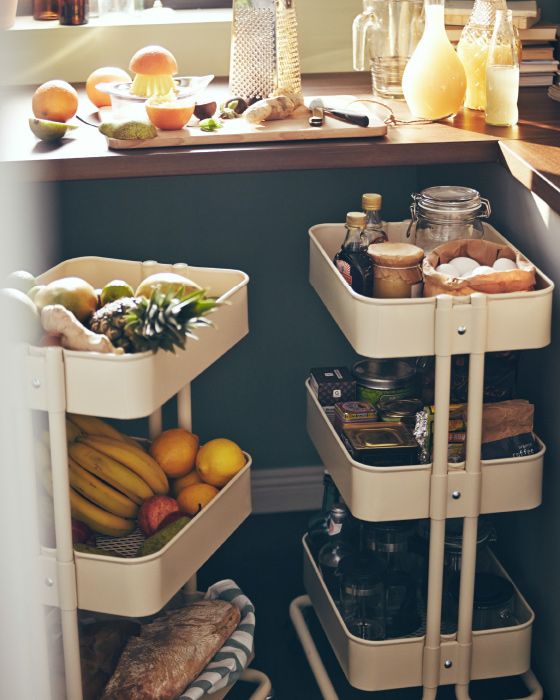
{"x": 287, "y": 489}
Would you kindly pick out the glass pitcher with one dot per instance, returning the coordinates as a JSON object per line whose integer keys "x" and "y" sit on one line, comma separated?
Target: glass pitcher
{"x": 384, "y": 37}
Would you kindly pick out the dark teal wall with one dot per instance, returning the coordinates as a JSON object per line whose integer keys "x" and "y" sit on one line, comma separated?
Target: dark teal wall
{"x": 550, "y": 10}
{"x": 256, "y": 223}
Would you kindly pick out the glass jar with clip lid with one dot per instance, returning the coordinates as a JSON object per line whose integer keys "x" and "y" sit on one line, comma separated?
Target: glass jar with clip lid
{"x": 445, "y": 213}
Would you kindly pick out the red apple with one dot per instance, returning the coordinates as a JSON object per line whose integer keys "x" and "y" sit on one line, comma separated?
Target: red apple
{"x": 153, "y": 511}
{"x": 80, "y": 532}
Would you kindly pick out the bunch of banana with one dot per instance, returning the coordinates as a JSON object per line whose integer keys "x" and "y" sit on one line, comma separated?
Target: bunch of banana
{"x": 110, "y": 476}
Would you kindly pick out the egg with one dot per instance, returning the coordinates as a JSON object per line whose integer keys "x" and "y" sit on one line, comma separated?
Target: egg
{"x": 464, "y": 265}
{"x": 482, "y": 270}
{"x": 503, "y": 264}
{"x": 447, "y": 269}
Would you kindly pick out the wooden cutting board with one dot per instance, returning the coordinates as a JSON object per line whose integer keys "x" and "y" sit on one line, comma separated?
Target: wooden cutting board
{"x": 294, "y": 128}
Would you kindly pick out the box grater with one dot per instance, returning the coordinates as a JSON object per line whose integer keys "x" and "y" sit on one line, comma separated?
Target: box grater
{"x": 264, "y": 48}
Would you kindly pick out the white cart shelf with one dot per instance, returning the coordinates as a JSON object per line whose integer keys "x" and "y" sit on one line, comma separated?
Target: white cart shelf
{"x": 440, "y": 326}
{"x": 406, "y": 327}
{"x": 126, "y": 387}
{"x": 403, "y": 493}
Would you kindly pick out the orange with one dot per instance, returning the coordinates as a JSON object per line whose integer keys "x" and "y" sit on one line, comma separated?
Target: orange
{"x": 184, "y": 481}
{"x": 55, "y": 100}
{"x": 219, "y": 460}
{"x": 104, "y": 75}
{"x": 169, "y": 116}
{"x": 193, "y": 499}
{"x": 175, "y": 451}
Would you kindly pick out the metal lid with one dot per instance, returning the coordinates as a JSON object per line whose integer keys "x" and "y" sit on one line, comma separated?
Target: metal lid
{"x": 450, "y": 203}
{"x": 399, "y": 408}
{"x": 383, "y": 373}
{"x": 338, "y": 512}
{"x": 454, "y": 532}
{"x": 356, "y": 218}
{"x": 371, "y": 201}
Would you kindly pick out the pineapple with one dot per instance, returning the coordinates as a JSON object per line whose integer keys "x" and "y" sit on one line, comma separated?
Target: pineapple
{"x": 140, "y": 324}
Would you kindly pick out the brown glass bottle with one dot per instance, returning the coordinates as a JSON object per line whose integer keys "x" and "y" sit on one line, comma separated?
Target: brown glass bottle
{"x": 45, "y": 10}
{"x": 352, "y": 260}
{"x": 74, "y": 12}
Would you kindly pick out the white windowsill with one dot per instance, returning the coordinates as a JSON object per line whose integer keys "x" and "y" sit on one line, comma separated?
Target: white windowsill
{"x": 199, "y": 39}
{"x": 145, "y": 18}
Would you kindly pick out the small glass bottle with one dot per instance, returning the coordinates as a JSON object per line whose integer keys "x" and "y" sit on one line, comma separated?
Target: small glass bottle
{"x": 74, "y": 12}
{"x": 374, "y": 228}
{"x": 352, "y": 260}
{"x": 434, "y": 80}
{"x": 342, "y": 542}
{"x": 45, "y": 10}
{"x": 502, "y": 73}
{"x": 473, "y": 49}
{"x": 317, "y": 528}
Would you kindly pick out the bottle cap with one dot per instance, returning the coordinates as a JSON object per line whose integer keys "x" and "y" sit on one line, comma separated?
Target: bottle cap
{"x": 356, "y": 218}
{"x": 371, "y": 201}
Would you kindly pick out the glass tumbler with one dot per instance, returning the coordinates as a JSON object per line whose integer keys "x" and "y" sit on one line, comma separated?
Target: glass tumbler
{"x": 384, "y": 36}
{"x": 362, "y": 595}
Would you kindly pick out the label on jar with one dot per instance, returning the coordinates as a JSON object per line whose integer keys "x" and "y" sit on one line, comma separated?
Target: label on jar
{"x": 366, "y": 393}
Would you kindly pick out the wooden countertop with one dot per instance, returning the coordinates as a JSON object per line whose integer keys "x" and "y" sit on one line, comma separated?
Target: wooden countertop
{"x": 530, "y": 150}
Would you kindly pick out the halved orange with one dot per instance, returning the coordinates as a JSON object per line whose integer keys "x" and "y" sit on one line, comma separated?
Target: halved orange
{"x": 169, "y": 114}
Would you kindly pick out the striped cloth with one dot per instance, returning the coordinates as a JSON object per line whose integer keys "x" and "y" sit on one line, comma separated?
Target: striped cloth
{"x": 228, "y": 663}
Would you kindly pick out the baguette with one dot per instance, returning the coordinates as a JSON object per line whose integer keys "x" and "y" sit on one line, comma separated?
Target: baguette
{"x": 172, "y": 651}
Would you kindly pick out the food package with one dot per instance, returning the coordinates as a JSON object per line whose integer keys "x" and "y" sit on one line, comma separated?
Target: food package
{"x": 485, "y": 253}
{"x": 507, "y": 430}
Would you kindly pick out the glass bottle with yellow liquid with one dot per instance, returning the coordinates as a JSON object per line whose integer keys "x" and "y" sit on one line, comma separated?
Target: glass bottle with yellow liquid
{"x": 434, "y": 80}
{"x": 502, "y": 72}
{"x": 473, "y": 49}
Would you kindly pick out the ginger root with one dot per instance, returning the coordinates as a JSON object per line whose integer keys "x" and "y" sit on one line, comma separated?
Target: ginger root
{"x": 279, "y": 105}
{"x": 57, "y": 320}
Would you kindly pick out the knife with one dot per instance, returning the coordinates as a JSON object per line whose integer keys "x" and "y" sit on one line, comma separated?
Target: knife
{"x": 351, "y": 117}
{"x": 317, "y": 116}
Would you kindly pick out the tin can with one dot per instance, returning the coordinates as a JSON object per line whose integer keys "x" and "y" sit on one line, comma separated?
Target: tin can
{"x": 381, "y": 444}
{"x": 376, "y": 378}
{"x": 399, "y": 410}
{"x": 351, "y": 413}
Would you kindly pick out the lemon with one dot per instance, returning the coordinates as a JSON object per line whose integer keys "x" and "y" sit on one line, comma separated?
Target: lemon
{"x": 166, "y": 282}
{"x": 116, "y": 289}
{"x": 47, "y": 130}
{"x": 218, "y": 461}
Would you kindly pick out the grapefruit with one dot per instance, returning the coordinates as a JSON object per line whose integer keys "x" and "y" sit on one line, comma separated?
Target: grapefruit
{"x": 55, "y": 100}
{"x": 168, "y": 113}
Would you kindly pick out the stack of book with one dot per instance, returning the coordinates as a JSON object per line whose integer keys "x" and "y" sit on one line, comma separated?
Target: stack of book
{"x": 539, "y": 64}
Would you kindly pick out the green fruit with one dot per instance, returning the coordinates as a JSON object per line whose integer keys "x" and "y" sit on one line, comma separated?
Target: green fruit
{"x": 49, "y": 131}
{"x": 21, "y": 280}
{"x": 73, "y": 293}
{"x": 116, "y": 289}
{"x": 126, "y": 130}
{"x": 20, "y": 318}
{"x": 166, "y": 282}
{"x": 162, "y": 537}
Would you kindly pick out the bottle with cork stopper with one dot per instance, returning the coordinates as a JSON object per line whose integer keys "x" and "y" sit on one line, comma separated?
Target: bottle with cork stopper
{"x": 352, "y": 260}
{"x": 374, "y": 228}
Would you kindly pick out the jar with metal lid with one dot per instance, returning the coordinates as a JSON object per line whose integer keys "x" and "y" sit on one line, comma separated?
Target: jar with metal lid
{"x": 445, "y": 213}
{"x": 362, "y": 595}
{"x": 397, "y": 270}
{"x": 389, "y": 378}
{"x": 400, "y": 410}
{"x": 494, "y": 601}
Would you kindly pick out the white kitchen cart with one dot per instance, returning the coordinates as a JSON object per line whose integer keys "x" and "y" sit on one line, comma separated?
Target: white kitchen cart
{"x": 440, "y": 326}
{"x": 133, "y": 386}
